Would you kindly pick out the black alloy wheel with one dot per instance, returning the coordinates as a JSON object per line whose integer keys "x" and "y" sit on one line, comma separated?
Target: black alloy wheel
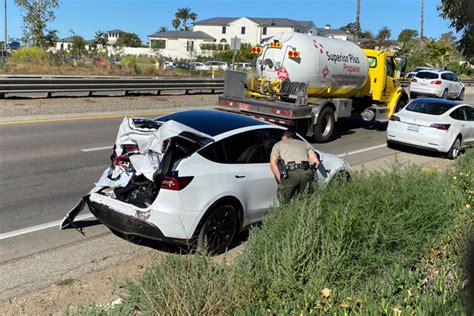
{"x": 219, "y": 230}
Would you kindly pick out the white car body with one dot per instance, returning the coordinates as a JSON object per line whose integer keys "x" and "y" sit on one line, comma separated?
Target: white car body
{"x": 244, "y": 66}
{"x": 437, "y": 83}
{"x": 217, "y": 65}
{"x": 215, "y": 171}
{"x": 198, "y": 66}
{"x": 448, "y": 129}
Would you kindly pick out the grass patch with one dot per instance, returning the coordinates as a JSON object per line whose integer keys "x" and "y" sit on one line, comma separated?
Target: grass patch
{"x": 385, "y": 243}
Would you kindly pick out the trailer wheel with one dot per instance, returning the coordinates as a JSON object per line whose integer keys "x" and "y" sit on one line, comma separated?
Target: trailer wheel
{"x": 324, "y": 128}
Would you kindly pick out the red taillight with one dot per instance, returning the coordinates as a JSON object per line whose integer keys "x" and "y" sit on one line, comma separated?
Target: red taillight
{"x": 293, "y": 54}
{"x": 443, "y": 127}
{"x": 436, "y": 82}
{"x": 256, "y": 50}
{"x": 128, "y": 148}
{"x": 122, "y": 161}
{"x": 394, "y": 118}
{"x": 175, "y": 184}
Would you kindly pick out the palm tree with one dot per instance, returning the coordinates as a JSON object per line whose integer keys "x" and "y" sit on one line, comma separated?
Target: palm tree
{"x": 383, "y": 35}
{"x": 181, "y": 19}
{"x": 357, "y": 34}
{"x": 422, "y": 18}
{"x": 163, "y": 29}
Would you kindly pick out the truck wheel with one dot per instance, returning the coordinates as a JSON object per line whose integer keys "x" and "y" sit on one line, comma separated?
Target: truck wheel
{"x": 400, "y": 105}
{"x": 324, "y": 128}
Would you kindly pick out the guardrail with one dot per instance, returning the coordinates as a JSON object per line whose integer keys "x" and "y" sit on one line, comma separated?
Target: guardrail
{"x": 56, "y": 84}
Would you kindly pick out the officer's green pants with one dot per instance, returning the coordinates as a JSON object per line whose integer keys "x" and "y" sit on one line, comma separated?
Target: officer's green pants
{"x": 297, "y": 182}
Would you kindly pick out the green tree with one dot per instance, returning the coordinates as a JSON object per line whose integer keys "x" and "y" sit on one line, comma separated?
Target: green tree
{"x": 182, "y": 16}
{"x": 461, "y": 14}
{"x": 407, "y": 35}
{"x": 350, "y": 27}
{"x": 128, "y": 40}
{"x": 78, "y": 47}
{"x": 383, "y": 36}
{"x": 37, "y": 15}
{"x": 100, "y": 39}
{"x": 163, "y": 29}
{"x": 438, "y": 53}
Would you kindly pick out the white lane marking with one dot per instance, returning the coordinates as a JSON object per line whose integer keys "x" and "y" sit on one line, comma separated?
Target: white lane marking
{"x": 349, "y": 153}
{"x": 39, "y": 227}
{"x": 86, "y": 150}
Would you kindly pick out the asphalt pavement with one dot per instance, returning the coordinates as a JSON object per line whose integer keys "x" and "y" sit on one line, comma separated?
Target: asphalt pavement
{"x": 46, "y": 167}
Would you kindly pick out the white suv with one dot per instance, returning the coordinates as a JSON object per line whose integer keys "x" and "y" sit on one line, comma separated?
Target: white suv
{"x": 437, "y": 83}
{"x": 193, "y": 176}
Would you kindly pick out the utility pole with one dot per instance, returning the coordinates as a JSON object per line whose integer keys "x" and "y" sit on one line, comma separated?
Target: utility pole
{"x": 5, "y": 40}
{"x": 357, "y": 34}
{"x": 422, "y": 21}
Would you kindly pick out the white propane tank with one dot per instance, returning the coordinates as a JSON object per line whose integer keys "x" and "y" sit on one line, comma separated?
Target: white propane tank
{"x": 330, "y": 68}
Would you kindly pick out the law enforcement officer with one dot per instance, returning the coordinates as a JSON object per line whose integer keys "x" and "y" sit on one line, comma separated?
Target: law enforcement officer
{"x": 297, "y": 158}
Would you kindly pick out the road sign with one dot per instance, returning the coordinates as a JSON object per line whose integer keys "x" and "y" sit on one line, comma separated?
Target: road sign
{"x": 235, "y": 43}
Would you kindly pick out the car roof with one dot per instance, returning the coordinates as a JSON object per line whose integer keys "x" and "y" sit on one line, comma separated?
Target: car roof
{"x": 436, "y": 71}
{"x": 212, "y": 122}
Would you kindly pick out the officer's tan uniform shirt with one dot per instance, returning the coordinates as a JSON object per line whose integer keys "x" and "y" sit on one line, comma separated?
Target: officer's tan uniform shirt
{"x": 291, "y": 150}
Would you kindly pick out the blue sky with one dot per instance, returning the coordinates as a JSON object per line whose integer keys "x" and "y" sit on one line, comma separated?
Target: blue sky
{"x": 145, "y": 17}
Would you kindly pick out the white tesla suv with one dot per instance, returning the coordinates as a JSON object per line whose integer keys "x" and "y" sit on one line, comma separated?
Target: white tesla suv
{"x": 197, "y": 176}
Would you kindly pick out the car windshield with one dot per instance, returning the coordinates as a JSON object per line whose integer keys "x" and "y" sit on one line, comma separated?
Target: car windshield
{"x": 429, "y": 107}
{"x": 427, "y": 75}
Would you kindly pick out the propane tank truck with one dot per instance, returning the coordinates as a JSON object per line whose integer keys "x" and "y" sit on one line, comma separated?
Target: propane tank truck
{"x": 309, "y": 82}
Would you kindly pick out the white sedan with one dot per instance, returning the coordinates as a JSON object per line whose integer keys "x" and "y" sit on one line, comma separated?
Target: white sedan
{"x": 434, "y": 124}
{"x": 193, "y": 176}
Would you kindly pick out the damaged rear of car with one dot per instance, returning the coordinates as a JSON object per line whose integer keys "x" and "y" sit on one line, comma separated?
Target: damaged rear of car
{"x": 143, "y": 176}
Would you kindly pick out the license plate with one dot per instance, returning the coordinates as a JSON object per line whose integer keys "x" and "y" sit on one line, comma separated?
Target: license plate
{"x": 413, "y": 128}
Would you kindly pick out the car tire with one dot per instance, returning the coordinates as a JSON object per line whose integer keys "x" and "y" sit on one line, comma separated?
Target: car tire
{"x": 219, "y": 229}
{"x": 445, "y": 94}
{"x": 461, "y": 95}
{"x": 324, "y": 129}
{"x": 455, "y": 150}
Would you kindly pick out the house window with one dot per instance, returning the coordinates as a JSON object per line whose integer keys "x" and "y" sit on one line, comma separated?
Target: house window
{"x": 224, "y": 29}
{"x": 158, "y": 44}
{"x": 62, "y": 46}
{"x": 189, "y": 46}
{"x": 264, "y": 30}
{"x": 242, "y": 30}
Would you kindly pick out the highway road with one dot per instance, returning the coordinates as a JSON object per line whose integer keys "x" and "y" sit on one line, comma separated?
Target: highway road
{"x": 47, "y": 165}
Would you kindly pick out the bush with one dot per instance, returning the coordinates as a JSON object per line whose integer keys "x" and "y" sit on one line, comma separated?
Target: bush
{"x": 385, "y": 243}
{"x": 29, "y": 55}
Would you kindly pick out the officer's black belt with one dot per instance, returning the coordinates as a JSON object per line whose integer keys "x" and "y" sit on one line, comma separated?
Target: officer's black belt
{"x": 291, "y": 165}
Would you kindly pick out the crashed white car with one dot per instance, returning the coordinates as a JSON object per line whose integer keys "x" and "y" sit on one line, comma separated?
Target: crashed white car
{"x": 192, "y": 177}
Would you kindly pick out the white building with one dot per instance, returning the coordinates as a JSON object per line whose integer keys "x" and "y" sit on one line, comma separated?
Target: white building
{"x": 113, "y": 35}
{"x": 65, "y": 44}
{"x": 250, "y": 30}
{"x": 181, "y": 44}
{"x": 339, "y": 34}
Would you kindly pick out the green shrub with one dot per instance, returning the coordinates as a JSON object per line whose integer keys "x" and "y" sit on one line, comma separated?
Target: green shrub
{"x": 385, "y": 243}
{"x": 29, "y": 55}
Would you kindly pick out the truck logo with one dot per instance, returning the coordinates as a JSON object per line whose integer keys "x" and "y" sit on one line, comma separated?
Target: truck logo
{"x": 282, "y": 73}
{"x": 325, "y": 71}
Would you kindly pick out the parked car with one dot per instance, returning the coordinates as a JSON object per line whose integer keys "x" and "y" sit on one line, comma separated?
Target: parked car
{"x": 217, "y": 65}
{"x": 244, "y": 66}
{"x": 198, "y": 66}
{"x": 437, "y": 83}
{"x": 440, "y": 125}
{"x": 190, "y": 177}
{"x": 412, "y": 73}
{"x": 167, "y": 65}
{"x": 182, "y": 65}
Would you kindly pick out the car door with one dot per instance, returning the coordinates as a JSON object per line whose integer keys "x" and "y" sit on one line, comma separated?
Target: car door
{"x": 249, "y": 172}
{"x": 456, "y": 85}
{"x": 462, "y": 125}
{"x": 469, "y": 112}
